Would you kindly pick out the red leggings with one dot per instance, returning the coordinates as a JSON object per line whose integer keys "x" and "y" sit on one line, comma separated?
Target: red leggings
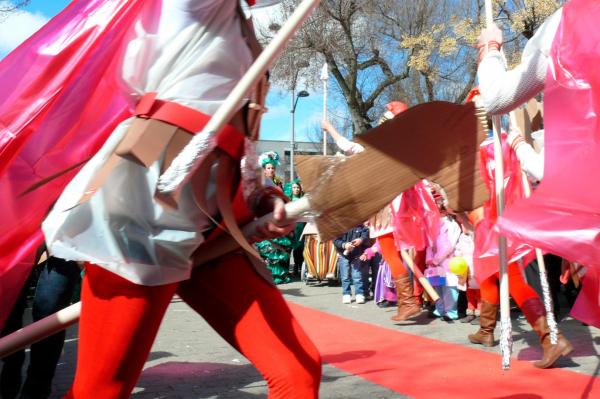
{"x": 391, "y": 256}
{"x": 119, "y": 321}
{"x": 519, "y": 289}
{"x": 473, "y": 299}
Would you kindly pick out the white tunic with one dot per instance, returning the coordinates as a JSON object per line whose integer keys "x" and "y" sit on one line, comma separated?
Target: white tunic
{"x": 194, "y": 55}
{"x": 501, "y": 90}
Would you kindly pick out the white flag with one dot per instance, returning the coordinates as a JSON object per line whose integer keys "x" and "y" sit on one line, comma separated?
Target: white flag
{"x": 324, "y": 72}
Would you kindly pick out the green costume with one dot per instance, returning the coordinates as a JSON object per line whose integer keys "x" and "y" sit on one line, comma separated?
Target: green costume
{"x": 275, "y": 252}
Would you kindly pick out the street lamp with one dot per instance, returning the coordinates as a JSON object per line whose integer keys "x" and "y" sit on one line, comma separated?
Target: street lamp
{"x": 295, "y": 99}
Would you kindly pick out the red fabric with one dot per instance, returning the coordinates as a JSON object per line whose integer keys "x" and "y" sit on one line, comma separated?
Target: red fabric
{"x": 519, "y": 289}
{"x": 485, "y": 254}
{"x": 473, "y": 299}
{"x": 391, "y": 255}
{"x": 61, "y": 101}
{"x": 563, "y": 214}
{"x": 587, "y": 305}
{"x": 396, "y": 107}
{"x": 190, "y": 119}
{"x": 119, "y": 322}
{"x": 474, "y": 92}
{"x": 416, "y": 218}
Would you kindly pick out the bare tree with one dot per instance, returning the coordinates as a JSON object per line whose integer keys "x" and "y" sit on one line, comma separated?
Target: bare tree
{"x": 409, "y": 50}
{"x": 9, "y": 7}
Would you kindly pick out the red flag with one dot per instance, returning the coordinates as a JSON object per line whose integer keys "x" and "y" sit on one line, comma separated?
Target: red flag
{"x": 562, "y": 216}
{"x": 61, "y": 100}
{"x": 416, "y": 218}
{"x": 485, "y": 255}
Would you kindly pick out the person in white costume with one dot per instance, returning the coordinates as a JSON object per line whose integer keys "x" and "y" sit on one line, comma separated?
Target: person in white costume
{"x": 502, "y": 91}
{"x": 139, "y": 251}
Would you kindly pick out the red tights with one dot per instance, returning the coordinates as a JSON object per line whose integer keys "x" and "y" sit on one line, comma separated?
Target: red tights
{"x": 473, "y": 299}
{"x": 519, "y": 289}
{"x": 391, "y": 256}
{"x": 119, "y": 321}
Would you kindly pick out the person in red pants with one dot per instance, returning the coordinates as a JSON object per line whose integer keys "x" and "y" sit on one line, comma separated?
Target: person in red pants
{"x": 533, "y": 309}
{"x": 120, "y": 320}
{"x": 179, "y": 60}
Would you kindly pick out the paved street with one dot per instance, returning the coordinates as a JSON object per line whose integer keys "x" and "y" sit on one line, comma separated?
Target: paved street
{"x": 189, "y": 360}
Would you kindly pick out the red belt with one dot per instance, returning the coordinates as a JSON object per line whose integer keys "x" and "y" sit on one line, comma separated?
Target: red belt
{"x": 229, "y": 138}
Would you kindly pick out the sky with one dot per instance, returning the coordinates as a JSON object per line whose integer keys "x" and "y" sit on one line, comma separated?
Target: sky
{"x": 276, "y": 123}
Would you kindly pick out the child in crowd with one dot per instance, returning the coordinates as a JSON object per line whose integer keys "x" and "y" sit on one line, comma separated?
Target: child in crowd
{"x": 384, "y": 291}
{"x": 437, "y": 260}
{"x": 464, "y": 248}
{"x": 353, "y": 270}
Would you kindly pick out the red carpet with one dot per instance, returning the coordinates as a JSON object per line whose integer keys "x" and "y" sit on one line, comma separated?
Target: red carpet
{"x": 425, "y": 368}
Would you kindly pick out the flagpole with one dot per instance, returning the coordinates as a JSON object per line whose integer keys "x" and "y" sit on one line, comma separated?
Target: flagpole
{"x": 505, "y": 323}
{"x": 324, "y": 78}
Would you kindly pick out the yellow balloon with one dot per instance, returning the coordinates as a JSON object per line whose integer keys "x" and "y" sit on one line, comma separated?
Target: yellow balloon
{"x": 458, "y": 265}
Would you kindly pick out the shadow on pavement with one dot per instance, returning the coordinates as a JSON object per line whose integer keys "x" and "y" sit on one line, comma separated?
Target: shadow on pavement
{"x": 346, "y": 356}
{"x": 201, "y": 380}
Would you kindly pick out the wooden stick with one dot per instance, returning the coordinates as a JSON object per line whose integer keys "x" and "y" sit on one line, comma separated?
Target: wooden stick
{"x": 543, "y": 279}
{"x": 39, "y": 330}
{"x": 417, "y": 273}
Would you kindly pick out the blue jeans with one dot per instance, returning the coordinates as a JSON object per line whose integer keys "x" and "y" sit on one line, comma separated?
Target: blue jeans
{"x": 354, "y": 272}
{"x": 56, "y": 284}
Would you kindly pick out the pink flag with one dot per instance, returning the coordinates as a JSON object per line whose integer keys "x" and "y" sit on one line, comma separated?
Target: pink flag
{"x": 563, "y": 215}
{"x": 485, "y": 255}
{"x": 416, "y": 218}
{"x": 587, "y": 305}
{"x": 61, "y": 100}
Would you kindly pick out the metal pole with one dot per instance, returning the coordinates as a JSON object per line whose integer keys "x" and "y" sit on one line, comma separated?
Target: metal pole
{"x": 505, "y": 323}
{"x": 324, "y": 115}
{"x": 293, "y": 141}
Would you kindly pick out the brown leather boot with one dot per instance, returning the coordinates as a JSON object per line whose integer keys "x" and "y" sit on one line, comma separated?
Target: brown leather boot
{"x": 487, "y": 323}
{"x": 407, "y": 305}
{"x": 535, "y": 313}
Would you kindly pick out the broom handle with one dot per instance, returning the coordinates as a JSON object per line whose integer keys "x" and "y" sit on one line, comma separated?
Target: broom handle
{"x": 548, "y": 303}
{"x": 417, "y": 273}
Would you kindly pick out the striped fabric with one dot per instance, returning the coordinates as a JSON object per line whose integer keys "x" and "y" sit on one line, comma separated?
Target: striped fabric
{"x": 320, "y": 257}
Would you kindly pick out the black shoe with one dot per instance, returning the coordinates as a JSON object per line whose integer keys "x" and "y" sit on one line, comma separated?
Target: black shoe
{"x": 469, "y": 318}
{"x": 447, "y": 319}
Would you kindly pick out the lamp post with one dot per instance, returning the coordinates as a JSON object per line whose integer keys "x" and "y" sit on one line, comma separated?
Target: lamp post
{"x": 295, "y": 98}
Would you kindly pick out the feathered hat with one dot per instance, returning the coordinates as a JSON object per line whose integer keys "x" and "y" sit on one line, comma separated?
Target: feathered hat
{"x": 269, "y": 157}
